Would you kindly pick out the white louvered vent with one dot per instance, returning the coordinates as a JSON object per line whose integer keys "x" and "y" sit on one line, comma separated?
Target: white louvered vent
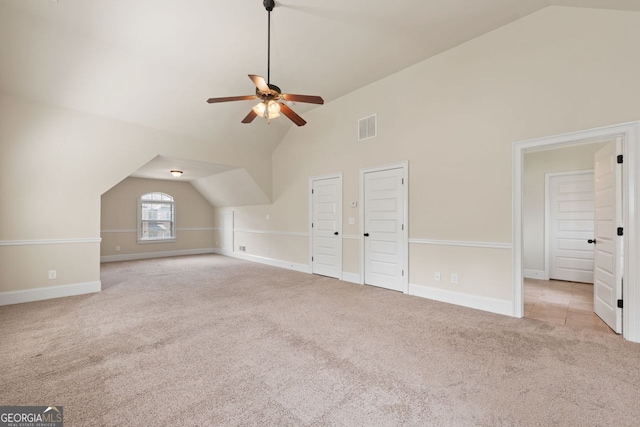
{"x": 367, "y": 127}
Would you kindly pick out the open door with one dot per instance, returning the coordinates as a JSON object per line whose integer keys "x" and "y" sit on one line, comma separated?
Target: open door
{"x": 326, "y": 226}
{"x": 608, "y": 244}
{"x": 383, "y": 208}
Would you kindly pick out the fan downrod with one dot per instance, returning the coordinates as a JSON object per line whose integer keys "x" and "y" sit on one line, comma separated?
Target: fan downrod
{"x": 269, "y": 5}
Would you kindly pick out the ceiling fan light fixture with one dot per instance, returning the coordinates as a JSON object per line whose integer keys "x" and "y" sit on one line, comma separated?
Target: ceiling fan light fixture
{"x": 267, "y": 109}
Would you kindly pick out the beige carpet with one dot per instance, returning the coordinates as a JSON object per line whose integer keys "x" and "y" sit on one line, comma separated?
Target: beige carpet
{"x": 209, "y": 340}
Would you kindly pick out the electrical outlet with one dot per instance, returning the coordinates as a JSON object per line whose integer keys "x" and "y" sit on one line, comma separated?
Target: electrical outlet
{"x": 268, "y": 216}
{"x": 267, "y": 251}
{"x": 242, "y": 248}
{"x": 436, "y": 276}
{"x": 52, "y": 274}
{"x": 454, "y": 278}
{"x": 117, "y": 248}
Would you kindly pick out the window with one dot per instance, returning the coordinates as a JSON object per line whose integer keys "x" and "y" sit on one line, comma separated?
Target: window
{"x": 156, "y": 218}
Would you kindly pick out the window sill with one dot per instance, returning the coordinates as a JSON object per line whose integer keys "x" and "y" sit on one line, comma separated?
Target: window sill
{"x": 146, "y": 241}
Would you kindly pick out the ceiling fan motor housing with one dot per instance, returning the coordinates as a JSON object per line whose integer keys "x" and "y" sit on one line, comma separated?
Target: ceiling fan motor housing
{"x": 273, "y": 94}
{"x": 269, "y": 4}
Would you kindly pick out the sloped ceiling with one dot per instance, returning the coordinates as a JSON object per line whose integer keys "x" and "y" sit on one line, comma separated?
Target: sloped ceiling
{"x": 160, "y": 167}
{"x": 155, "y": 62}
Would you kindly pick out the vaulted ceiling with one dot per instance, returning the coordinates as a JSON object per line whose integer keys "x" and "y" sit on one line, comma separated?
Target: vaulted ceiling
{"x": 155, "y": 62}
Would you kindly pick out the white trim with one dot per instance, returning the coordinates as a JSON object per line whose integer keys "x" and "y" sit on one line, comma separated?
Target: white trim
{"x": 351, "y": 236}
{"x": 630, "y": 134}
{"x": 273, "y": 232}
{"x": 303, "y": 268}
{"x": 170, "y": 239}
{"x": 50, "y": 241}
{"x": 159, "y": 254}
{"x": 535, "y": 274}
{"x": 227, "y": 229}
{"x": 350, "y": 277}
{"x": 312, "y": 179}
{"x": 547, "y": 215}
{"x": 49, "y": 292}
{"x": 144, "y": 242}
{"x": 404, "y": 165}
{"x": 122, "y": 230}
{"x": 490, "y": 245}
{"x": 492, "y": 305}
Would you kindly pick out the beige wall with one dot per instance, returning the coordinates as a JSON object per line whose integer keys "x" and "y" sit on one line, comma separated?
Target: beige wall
{"x": 54, "y": 166}
{"x": 119, "y": 218}
{"x": 454, "y": 118}
{"x": 536, "y": 165}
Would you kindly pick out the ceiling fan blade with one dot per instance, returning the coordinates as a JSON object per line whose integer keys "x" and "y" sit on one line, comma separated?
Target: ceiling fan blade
{"x": 230, "y": 98}
{"x": 252, "y": 115}
{"x": 310, "y": 99}
{"x": 260, "y": 83}
{"x": 295, "y": 118}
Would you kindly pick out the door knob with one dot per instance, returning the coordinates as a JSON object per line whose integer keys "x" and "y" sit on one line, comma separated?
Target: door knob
{"x": 366, "y": 234}
{"x": 591, "y": 241}
{"x": 336, "y": 233}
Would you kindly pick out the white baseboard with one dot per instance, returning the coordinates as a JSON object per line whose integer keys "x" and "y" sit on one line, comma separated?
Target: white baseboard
{"x": 161, "y": 254}
{"x": 493, "y": 305}
{"x": 303, "y": 268}
{"x": 38, "y": 294}
{"x": 350, "y": 277}
{"x": 534, "y": 274}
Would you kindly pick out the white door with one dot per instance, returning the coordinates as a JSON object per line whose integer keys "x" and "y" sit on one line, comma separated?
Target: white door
{"x": 326, "y": 227}
{"x": 608, "y": 248}
{"x": 571, "y": 210}
{"x": 383, "y": 229}
{"x": 227, "y": 231}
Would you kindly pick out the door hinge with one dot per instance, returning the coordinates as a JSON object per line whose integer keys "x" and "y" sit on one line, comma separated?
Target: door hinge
{"x": 619, "y": 303}
{"x": 402, "y": 181}
{"x": 402, "y": 273}
{"x": 620, "y": 231}
{"x": 620, "y": 158}
{"x": 311, "y": 225}
{"x": 403, "y": 226}
{"x": 311, "y": 258}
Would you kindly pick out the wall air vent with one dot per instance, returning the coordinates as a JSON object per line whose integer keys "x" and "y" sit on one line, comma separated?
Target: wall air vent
{"x": 367, "y": 127}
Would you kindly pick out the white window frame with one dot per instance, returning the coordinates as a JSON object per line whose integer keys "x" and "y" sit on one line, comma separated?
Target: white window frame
{"x": 171, "y": 202}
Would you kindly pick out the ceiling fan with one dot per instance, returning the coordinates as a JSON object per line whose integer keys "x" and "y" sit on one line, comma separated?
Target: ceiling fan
{"x": 271, "y": 96}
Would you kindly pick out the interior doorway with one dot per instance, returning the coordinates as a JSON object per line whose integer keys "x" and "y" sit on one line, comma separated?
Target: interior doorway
{"x": 628, "y": 135}
{"x": 384, "y": 226}
{"x": 325, "y": 211}
{"x": 227, "y": 231}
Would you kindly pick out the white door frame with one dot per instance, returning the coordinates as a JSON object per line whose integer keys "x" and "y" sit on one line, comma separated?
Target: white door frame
{"x": 311, "y": 180}
{"x": 630, "y": 134}
{"x": 547, "y": 214}
{"x": 405, "y": 234}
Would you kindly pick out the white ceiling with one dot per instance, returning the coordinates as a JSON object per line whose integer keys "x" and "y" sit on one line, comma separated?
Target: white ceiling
{"x": 155, "y": 62}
